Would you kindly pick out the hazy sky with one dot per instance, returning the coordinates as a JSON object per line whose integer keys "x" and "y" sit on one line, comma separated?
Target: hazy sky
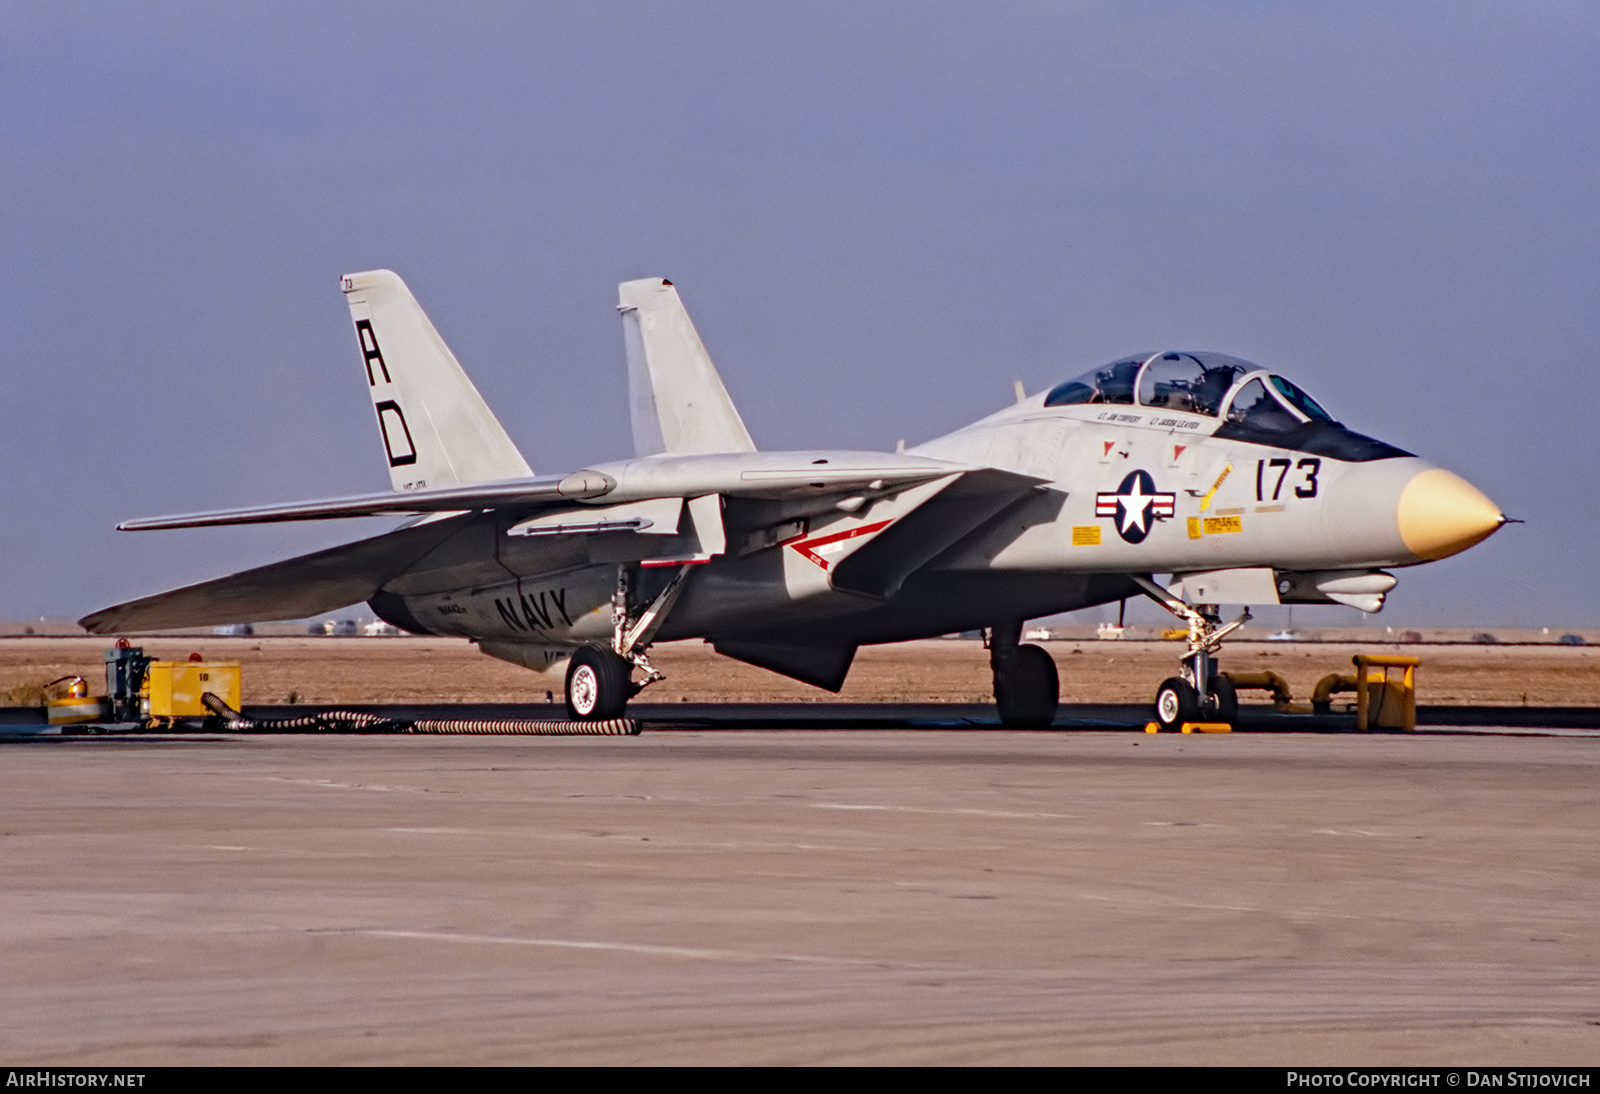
{"x": 879, "y": 215}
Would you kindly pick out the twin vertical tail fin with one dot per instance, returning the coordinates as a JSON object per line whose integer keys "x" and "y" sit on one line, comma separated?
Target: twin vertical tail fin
{"x": 438, "y": 432}
{"x": 675, "y": 397}
{"x": 436, "y": 429}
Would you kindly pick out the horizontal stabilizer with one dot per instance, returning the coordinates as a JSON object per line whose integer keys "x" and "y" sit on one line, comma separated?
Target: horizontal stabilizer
{"x": 292, "y": 589}
{"x": 675, "y": 397}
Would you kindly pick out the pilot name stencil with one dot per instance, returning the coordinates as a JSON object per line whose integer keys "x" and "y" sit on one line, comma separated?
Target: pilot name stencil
{"x": 1135, "y": 506}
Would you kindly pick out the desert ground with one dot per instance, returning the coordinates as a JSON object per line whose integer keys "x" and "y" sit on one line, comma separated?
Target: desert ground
{"x": 433, "y": 670}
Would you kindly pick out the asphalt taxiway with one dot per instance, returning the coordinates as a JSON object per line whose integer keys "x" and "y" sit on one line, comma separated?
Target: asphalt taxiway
{"x": 809, "y": 896}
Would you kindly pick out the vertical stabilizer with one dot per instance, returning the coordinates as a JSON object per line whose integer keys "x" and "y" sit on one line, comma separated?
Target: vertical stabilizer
{"x": 436, "y": 429}
{"x": 675, "y": 397}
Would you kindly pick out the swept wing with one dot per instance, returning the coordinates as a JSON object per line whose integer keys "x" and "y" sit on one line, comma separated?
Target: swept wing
{"x": 291, "y": 589}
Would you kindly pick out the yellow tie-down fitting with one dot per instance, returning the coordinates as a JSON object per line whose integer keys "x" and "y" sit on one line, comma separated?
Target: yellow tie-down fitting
{"x": 1382, "y": 702}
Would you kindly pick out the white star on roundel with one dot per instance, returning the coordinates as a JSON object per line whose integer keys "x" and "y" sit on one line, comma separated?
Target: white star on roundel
{"x": 1135, "y": 508}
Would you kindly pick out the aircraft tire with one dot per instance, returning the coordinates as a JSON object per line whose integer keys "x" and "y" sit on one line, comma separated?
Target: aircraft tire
{"x": 598, "y": 685}
{"x": 1027, "y": 689}
{"x": 1224, "y": 699}
{"x": 1176, "y": 703}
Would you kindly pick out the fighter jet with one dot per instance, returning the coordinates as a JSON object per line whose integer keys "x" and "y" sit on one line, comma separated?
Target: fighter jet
{"x": 1193, "y": 478}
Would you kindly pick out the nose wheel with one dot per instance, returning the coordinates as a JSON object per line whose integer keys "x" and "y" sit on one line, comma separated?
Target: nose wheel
{"x": 1178, "y": 701}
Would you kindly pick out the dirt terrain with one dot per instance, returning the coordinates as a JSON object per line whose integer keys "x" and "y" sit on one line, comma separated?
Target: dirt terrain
{"x": 432, "y": 670}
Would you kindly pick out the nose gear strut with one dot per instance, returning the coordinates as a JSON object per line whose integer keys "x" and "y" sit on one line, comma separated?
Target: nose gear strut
{"x": 1204, "y": 690}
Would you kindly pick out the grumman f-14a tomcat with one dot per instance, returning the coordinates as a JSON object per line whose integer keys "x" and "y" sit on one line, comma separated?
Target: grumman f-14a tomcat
{"x": 1224, "y": 475}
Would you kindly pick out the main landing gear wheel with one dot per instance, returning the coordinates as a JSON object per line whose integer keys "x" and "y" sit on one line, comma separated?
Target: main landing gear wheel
{"x": 1026, "y": 687}
{"x": 1176, "y": 703}
{"x": 1224, "y": 704}
{"x": 599, "y": 685}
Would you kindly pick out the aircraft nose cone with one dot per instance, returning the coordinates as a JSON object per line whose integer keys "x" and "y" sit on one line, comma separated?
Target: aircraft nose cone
{"x": 1442, "y": 513}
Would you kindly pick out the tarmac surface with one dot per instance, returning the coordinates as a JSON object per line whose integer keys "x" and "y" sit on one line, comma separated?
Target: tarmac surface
{"x": 825, "y": 895}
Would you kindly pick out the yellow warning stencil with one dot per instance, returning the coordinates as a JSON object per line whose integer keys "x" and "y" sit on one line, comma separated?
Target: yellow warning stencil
{"x": 1086, "y": 535}
{"x": 1194, "y": 528}
{"x": 1205, "y": 502}
{"x": 1219, "y": 525}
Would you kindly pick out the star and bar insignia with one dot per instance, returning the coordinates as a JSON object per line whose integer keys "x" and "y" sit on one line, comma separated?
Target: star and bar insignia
{"x": 1135, "y": 505}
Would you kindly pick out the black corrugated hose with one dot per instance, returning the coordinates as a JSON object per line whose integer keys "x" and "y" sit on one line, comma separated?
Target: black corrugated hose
{"x": 355, "y": 721}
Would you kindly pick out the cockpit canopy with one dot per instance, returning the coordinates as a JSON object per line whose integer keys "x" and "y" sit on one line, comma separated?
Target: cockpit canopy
{"x": 1191, "y": 383}
{"x": 1253, "y": 404}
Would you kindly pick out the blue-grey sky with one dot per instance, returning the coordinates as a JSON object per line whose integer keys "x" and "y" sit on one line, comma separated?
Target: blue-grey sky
{"x": 878, "y": 214}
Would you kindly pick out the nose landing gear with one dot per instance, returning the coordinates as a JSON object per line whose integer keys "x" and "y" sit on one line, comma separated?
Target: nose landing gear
{"x": 1199, "y": 693}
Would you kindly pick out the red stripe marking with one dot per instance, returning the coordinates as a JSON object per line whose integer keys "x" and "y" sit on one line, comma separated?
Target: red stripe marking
{"x": 807, "y": 548}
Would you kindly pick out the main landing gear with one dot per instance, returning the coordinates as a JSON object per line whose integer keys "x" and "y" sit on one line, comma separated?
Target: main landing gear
{"x": 1199, "y": 693}
{"x": 600, "y": 681}
{"x": 1026, "y": 687}
{"x": 599, "y": 685}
